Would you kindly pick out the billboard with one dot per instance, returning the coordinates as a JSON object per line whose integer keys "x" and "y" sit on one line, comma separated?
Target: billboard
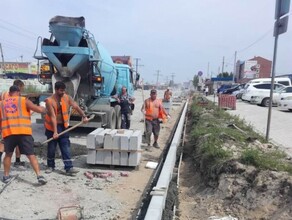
{"x": 248, "y": 71}
{"x": 19, "y": 67}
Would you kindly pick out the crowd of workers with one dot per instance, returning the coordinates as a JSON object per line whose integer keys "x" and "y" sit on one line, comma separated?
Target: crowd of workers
{"x": 16, "y": 128}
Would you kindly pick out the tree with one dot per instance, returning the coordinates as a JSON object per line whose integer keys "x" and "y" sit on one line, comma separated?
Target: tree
{"x": 196, "y": 81}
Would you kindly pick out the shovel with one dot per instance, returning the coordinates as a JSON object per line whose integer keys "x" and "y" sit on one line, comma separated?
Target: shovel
{"x": 38, "y": 144}
{"x": 144, "y": 140}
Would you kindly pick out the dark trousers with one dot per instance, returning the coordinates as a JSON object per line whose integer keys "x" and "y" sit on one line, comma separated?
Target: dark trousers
{"x": 126, "y": 120}
{"x": 64, "y": 145}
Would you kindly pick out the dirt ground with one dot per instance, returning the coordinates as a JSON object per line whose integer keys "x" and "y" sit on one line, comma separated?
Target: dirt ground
{"x": 113, "y": 197}
{"x": 238, "y": 192}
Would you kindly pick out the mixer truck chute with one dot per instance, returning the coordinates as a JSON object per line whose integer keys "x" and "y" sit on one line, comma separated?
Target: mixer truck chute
{"x": 87, "y": 69}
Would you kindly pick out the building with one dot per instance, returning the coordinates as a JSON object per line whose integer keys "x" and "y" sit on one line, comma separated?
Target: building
{"x": 257, "y": 67}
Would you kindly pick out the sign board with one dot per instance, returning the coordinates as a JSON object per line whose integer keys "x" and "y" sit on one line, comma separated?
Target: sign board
{"x": 249, "y": 71}
{"x": 281, "y": 26}
{"x": 282, "y": 8}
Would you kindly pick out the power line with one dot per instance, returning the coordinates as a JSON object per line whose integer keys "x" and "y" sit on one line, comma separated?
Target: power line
{"x": 258, "y": 40}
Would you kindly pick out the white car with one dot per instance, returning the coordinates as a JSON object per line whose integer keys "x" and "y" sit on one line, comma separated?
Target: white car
{"x": 285, "y": 103}
{"x": 264, "y": 98}
{"x": 261, "y": 90}
{"x": 287, "y": 91}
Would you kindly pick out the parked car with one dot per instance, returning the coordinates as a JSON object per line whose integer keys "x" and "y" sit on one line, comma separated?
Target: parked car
{"x": 287, "y": 91}
{"x": 235, "y": 90}
{"x": 285, "y": 103}
{"x": 223, "y": 87}
{"x": 260, "y": 91}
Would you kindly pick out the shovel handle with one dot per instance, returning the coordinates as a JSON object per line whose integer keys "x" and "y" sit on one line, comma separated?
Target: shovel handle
{"x": 69, "y": 129}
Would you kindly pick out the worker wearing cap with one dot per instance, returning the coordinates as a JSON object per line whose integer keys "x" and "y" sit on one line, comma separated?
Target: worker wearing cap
{"x": 154, "y": 111}
{"x": 57, "y": 121}
{"x": 17, "y": 131}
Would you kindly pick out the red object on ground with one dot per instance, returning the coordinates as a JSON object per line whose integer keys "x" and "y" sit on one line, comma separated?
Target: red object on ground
{"x": 227, "y": 101}
{"x": 89, "y": 175}
{"x": 125, "y": 174}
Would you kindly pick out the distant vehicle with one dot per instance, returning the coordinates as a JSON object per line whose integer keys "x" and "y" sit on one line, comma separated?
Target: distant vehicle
{"x": 281, "y": 80}
{"x": 223, "y": 87}
{"x": 235, "y": 90}
{"x": 287, "y": 91}
{"x": 260, "y": 93}
{"x": 286, "y": 103}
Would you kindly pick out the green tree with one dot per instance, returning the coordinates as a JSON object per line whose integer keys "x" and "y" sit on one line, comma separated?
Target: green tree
{"x": 196, "y": 81}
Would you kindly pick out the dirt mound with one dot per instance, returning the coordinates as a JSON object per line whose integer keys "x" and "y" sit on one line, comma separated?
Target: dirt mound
{"x": 232, "y": 173}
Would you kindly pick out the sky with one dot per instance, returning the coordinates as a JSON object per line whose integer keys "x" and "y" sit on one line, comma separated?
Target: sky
{"x": 173, "y": 38}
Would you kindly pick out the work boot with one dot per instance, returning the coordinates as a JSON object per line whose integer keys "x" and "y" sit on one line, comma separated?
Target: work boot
{"x": 6, "y": 179}
{"x": 72, "y": 171}
{"x": 49, "y": 170}
{"x": 41, "y": 180}
{"x": 148, "y": 148}
{"x": 155, "y": 144}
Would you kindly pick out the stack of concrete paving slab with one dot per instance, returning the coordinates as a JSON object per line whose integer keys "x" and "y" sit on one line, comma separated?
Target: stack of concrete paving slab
{"x": 114, "y": 147}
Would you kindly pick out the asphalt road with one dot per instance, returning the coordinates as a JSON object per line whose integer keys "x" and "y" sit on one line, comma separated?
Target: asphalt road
{"x": 257, "y": 116}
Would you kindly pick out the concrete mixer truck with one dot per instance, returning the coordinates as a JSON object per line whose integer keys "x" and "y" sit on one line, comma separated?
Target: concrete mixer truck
{"x": 72, "y": 56}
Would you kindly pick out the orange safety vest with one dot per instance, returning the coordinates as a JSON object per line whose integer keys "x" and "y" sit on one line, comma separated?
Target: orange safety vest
{"x": 154, "y": 110}
{"x": 15, "y": 116}
{"x": 64, "y": 109}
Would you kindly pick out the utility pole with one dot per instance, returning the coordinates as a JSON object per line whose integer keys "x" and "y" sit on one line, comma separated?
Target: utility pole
{"x": 157, "y": 79}
{"x": 234, "y": 71}
{"x": 223, "y": 65}
{"x": 21, "y": 58}
{"x": 172, "y": 76}
{"x": 137, "y": 73}
{"x": 208, "y": 70}
{"x": 2, "y": 56}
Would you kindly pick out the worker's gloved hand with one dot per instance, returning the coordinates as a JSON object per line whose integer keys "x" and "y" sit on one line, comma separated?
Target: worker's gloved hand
{"x": 168, "y": 117}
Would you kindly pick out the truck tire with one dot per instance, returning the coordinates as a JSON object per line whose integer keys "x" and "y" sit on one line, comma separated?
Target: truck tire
{"x": 119, "y": 116}
{"x": 111, "y": 118}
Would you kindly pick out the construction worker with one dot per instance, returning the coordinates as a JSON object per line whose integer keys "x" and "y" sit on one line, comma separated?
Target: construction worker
{"x": 154, "y": 113}
{"x": 17, "y": 131}
{"x": 56, "y": 121}
{"x": 167, "y": 95}
{"x": 4, "y": 95}
{"x": 126, "y": 103}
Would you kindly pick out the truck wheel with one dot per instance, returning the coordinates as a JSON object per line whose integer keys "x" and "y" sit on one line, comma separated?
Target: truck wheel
{"x": 119, "y": 116}
{"x": 111, "y": 118}
{"x": 266, "y": 102}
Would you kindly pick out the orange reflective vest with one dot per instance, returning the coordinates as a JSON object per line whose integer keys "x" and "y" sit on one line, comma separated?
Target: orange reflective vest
{"x": 154, "y": 110}
{"x": 15, "y": 116}
{"x": 64, "y": 111}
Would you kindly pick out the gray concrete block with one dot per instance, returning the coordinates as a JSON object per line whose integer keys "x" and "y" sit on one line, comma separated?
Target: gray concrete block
{"x": 107, "y": 157}
{"x": 99, "y": 157}
{"x": 134, "y": 158}
{"x": 91, "y": 156}
{"x": 115, "y": 158}
{"x": 99, "y": 139}
{"x": 125, "y": 139}
{"x": 116, "y": 142}
{"x": 108, "y": 139}
{"x": 124, "y": 158}
{"x": 136, "y": 140}
{"x": 91, "y": 138}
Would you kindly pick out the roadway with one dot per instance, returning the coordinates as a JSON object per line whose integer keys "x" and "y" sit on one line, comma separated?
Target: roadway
{"x": 257, "y": 116}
